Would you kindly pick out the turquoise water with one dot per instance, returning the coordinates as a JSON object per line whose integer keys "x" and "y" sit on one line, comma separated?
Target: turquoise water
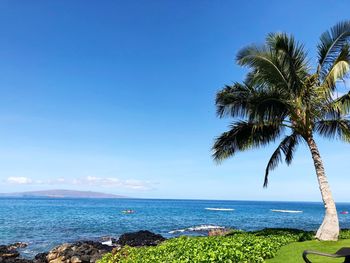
{"x": 44, "y": 223}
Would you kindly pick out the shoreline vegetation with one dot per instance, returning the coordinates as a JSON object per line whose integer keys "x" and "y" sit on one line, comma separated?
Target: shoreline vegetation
{"x": 226, "y": 246}
{"x": 220, "y": 245}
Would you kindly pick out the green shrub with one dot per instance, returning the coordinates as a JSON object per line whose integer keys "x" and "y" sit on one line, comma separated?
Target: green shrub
{"x": 344, "y": 234}
{"x": 236, "y": 246}
{"x": 233, "y": 232}
{"x": 306, "y": 236}
{"x": 300, "y": 235}
{"x": 240, "y": 247}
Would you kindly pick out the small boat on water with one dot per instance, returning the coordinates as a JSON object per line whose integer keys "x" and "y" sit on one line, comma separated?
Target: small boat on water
{"x": 286, "y": 211}
{"x": 129, "y": 211}
{"x": 344, "y": 212}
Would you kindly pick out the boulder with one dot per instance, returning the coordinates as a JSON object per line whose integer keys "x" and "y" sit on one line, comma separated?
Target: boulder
{"x": 17, "y": 245}
{"x": 82, "y": 251}
{"x": 40, "y": 258}
{"x": 79, "y": 252}
{"x": 15, "y": 260}
{"x": 140, "y": 238}
{"x": 8, "y": 252}
{"x": 219, "y": 231}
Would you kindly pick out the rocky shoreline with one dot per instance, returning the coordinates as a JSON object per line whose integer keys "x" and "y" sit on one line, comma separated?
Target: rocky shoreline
{"x": 80, "y": 251}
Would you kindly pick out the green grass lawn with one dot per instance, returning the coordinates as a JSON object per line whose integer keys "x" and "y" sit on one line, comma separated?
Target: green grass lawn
{"x": 293, "y": 252}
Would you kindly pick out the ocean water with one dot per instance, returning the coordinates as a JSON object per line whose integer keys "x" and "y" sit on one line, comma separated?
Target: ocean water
{"x": 45, "y": 223}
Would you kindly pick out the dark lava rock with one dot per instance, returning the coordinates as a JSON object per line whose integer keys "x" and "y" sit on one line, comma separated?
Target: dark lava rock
{"x": 140, "y": 238}
{"x": 40, "y": 258}
{"x": 9, "y": 254}
{"x": 17, "y": 245}
{"x": 79, "y": 252}
{"x": 15, "y": 260}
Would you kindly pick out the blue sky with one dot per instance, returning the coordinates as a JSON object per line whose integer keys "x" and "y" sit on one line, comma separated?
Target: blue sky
{"x": 118, "y": 97}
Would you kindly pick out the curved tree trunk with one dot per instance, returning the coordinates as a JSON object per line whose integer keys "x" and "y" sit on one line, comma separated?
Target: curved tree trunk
{"x": 329, "y": 230}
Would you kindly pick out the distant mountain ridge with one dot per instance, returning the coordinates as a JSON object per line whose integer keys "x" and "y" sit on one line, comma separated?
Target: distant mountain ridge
{"x": 61, "y": 193}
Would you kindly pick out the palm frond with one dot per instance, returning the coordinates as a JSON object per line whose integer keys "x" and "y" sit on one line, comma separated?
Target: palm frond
{"x": 233, "y": 100}
{"x": 264, "y": 65}
{"x": 244, "y": 135}
{"x": 268, "y": 106}
{"x": 337, "y": 71}
{"x": 275, "y": 159}
{"x": 334, "y": 108}
{"x": 242, "y": 100}
{"x": 292, "y": 58}
{"x": 287, "y": 147}
{"x": 341, "y": 104}
{"x": 331, "y": 44}
{"x": 328, "y": 112}
{"x": 338, "y": 128}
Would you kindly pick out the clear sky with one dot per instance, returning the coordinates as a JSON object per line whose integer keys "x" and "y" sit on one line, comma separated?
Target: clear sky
{"x": 118, "y": 97}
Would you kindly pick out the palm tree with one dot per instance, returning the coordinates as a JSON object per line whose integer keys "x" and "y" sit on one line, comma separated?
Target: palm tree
{"x": 283, "y": 93}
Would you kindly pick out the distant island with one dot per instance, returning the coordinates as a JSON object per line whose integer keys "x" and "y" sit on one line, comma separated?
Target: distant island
{"x": 59, "y": 193}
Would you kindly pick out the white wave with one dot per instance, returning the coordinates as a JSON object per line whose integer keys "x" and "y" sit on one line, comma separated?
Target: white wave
{"x": 196, "y": 228}
{"x": 286, "y": 211}
{"x": 108, "y": 243}
{"x": 219, "y": 209}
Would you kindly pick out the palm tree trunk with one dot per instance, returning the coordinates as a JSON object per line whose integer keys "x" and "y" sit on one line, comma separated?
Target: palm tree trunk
{"x": 329, "y": 230}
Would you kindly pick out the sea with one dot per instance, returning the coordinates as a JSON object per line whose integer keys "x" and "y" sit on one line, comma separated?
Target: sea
{"x": 44, "y": 223}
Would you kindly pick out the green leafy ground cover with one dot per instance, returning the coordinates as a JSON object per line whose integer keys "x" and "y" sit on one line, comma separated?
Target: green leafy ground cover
{"x": 237, "y": 246}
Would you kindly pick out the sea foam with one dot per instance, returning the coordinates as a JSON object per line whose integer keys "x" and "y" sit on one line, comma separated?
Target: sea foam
{"x": 196, "y": 229}
{"x": 286, "y": 211}
{"x": 218, "y": 209}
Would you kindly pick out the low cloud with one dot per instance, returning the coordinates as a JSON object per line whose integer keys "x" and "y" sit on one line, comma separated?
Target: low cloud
{"x": 113, "y": 182}
{"x": 106, "y": 182}
{"x": 19, "y": 180}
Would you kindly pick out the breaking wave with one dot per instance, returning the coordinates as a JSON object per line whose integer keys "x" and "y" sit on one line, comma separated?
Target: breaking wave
{"x": 200, "y": 228}
{"x": 285, "y": 211}
{"x": 218, "y": 209}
